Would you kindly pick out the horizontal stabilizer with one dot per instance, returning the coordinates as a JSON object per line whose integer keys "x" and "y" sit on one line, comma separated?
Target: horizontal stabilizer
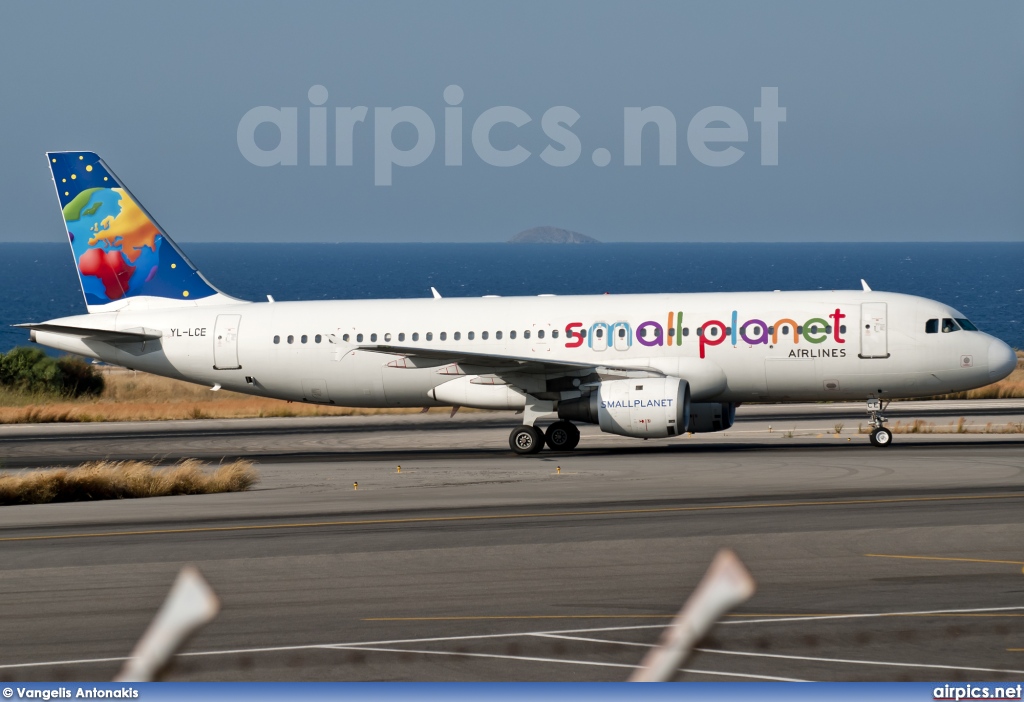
{"x": 108, "y": 335}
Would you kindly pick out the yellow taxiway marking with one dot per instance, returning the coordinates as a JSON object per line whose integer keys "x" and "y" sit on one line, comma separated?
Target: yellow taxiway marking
{"x": 521, "y": 515}
{"x": 514, "y": 617}
{"x": 945, "y": 558}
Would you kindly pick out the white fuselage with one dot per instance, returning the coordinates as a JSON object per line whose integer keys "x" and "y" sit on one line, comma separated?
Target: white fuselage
{"x": 730, "y": 347}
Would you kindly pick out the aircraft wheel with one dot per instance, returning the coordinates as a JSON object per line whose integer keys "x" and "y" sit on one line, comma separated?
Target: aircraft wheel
{"x": 881, "y": 437}
{"x": 562, "y": 436}
{"x": 525, "y": 440}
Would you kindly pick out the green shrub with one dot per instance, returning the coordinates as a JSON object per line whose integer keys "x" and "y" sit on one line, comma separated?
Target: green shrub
{"x": 29, "y": 370}
{"x": 80, "y": 378}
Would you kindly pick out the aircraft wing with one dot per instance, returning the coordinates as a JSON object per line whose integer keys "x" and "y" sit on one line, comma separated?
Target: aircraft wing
{"x": 498, "y": 363}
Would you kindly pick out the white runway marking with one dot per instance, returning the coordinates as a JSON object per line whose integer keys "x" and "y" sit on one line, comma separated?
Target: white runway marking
{"x": 874, "y": 615}
{"x": 584, "y": 638}
{"x": 533, "y": 659}
{"x": 741, "y": 675}
{"x": 568, "y": 634}
{"x": 536, "y": 659}
{"x": 851, "y": 661}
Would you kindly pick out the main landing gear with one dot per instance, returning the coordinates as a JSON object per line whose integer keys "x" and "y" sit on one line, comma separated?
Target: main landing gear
{"x": 880, "y": 436}
{"x": 560, "y": 436}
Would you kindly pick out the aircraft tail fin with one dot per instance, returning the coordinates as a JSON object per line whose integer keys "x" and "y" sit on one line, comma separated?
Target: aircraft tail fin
{"x": 120, "y": 251}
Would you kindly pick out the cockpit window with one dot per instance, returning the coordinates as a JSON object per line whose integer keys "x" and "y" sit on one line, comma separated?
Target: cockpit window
{"x": 966, "y": 324}
{"x": 948, "y": 325}
{"x": 931, "y": 326}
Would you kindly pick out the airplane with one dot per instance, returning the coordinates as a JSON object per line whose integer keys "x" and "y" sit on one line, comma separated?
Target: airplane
{"x": 645, "y": 366}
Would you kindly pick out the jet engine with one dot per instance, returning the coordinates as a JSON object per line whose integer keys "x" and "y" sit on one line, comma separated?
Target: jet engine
{"x": 711, "y": 416}
{"x": 646, "y": 408}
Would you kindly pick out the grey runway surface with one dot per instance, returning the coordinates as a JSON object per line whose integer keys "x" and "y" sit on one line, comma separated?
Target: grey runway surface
{"x": 471, "y": 564}
{"x": 470, "y": 435}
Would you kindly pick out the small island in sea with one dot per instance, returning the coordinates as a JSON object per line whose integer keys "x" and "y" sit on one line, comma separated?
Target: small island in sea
{"x": 551, "y": 235}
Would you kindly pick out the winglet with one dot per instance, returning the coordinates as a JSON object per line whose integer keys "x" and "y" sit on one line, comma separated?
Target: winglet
{"x": 864, "y": 284}
{"x": 435, "y": 293}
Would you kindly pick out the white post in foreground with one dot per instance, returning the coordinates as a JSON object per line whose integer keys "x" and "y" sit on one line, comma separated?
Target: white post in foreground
{"x": 190, "y": 605}
{"x": 726, "y": 584}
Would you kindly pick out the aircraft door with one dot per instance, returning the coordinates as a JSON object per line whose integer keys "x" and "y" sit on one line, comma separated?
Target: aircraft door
{"x": 225, "y": 342}
{"x": 597, "y": 336}
{"x": 873, "y": 335}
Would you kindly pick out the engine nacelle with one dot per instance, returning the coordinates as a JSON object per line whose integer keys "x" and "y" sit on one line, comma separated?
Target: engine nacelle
{"x": 711, "y": 416}
{"x": 646, "y": 408}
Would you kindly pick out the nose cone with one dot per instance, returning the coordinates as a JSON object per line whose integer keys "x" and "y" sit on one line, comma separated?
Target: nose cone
{"x": 1001, "y": 360}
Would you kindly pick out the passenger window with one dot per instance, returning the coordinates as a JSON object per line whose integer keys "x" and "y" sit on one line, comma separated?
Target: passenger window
{"x": 526, "y": 334}
{"x": 277, "y": 339}
{"x": 966, "y": 324}
{"x": 457, "y": 336}
{"x": 318, "y": 338}
{"x": 470, "y": 336}
{"x": 415, "y": 336}
{"x": 622, "y": 333}
{"x": 671, "y": 332}
{"x": 430, "y": 336}
{"x": 554, "y": 333}
{"x": 800, "y": 329}
{"x": 359, "y": 338}
{"x": 512, "y": 334}
{"x": 540, "y": 334}
{"x": 373, "y": 337}
{"x": 497, "y": 335}
{"x": 401, "y": 336}
{"x": 443, "y": 336}
{"x": 291, "y": 339}
{"x": 599, "y": 332}
{"x": 842, "y": 328}
{"x": 483, "y": 335}
{"x": 304, "y": 338}
{"x": 686, "y": 331}
{"x": 387, "y": 336}
{"x": 344, "y": 337}
{"x": 931, "y": 326}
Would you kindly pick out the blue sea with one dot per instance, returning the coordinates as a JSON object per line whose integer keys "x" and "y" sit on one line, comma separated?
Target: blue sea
{"x": 984, "y": 281}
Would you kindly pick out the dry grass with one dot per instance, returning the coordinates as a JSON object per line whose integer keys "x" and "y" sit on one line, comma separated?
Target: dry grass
{"x": 961, "y": 426}
{"x": 134, "y": 396}
{"x": 118, "y": 480}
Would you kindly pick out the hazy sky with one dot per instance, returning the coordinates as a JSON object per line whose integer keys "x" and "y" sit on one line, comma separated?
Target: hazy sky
{"x": 904, "y": 121}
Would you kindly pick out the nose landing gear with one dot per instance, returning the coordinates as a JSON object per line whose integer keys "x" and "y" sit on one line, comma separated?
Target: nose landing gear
{"x": 880, "y": 436}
